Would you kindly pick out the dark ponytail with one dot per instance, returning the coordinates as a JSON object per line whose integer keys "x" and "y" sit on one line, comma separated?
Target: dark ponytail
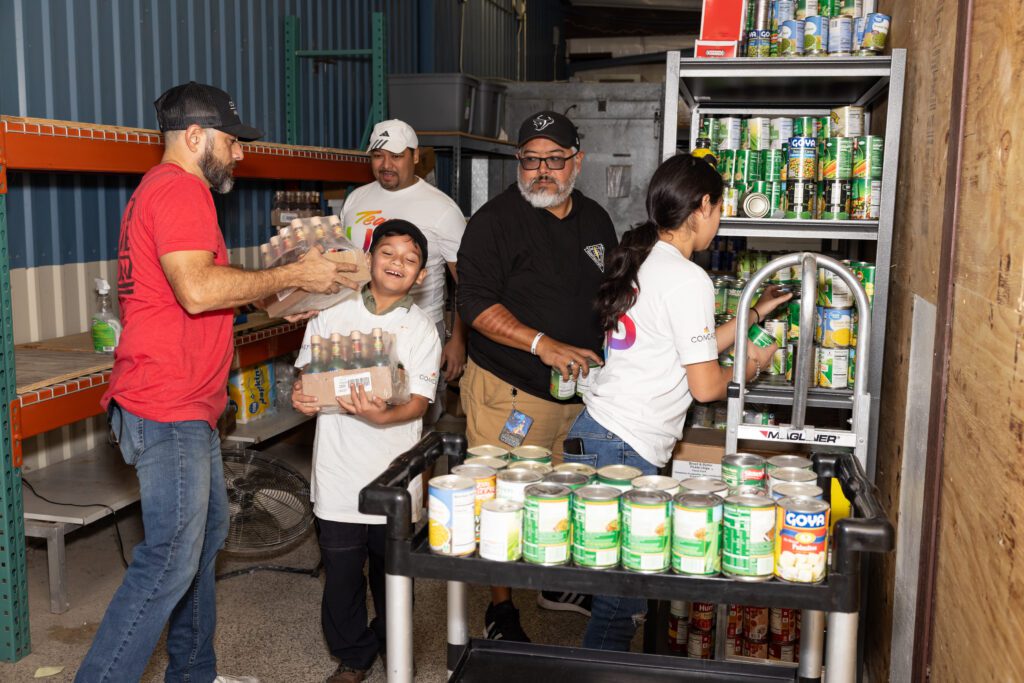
{"x": 675, "y": 192}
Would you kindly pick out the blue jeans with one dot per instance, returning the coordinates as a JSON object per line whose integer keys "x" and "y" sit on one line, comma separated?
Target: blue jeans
{"x": 613, "y": 619}
{"x": 171, "y": 576}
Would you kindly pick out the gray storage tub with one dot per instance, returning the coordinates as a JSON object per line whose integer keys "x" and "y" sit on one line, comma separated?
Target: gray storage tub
{"x": 489, "y": 112}
{"x": 440, "y": 102}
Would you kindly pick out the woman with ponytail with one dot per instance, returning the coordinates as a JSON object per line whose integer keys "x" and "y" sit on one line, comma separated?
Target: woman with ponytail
{"x": 661, "y": 352}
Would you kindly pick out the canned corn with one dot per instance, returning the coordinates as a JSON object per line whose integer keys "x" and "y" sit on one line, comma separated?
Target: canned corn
{"x": 646, "y": 530}
{"x": 696, "y": 534}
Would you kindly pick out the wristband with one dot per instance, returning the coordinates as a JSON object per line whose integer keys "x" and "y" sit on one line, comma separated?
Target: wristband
{"x": 536, "y": 340}
{"x": 758, "y": 315}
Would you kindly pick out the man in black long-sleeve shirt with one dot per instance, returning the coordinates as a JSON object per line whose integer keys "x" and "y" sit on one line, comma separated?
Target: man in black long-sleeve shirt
{"x": 529, "y": 267}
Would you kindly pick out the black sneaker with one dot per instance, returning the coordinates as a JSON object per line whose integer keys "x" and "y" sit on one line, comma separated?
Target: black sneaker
{"x": 565, "y": 602}
{"x": 501, "y": 622}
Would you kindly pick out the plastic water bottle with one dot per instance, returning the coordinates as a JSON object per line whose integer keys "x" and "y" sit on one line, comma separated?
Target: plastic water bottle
{"x": 106, "y": 328}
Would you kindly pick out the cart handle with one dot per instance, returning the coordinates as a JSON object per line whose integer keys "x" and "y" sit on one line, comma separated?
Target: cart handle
{"x": 871, "y": 531}
{"x": 388, "y": 494}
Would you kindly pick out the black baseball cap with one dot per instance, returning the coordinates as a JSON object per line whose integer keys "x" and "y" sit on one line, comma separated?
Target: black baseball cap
{"x": 396, "y": 226}
{"x": 551, "y": 125}
{"x": 203, "y": 105}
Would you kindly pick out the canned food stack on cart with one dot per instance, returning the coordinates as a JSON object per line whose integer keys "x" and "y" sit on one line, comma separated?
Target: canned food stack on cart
{"x": 803, "y": 167}
{"x": 814, "y": 28}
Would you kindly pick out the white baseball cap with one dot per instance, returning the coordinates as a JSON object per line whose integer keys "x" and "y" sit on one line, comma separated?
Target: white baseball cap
{"x": 394, "y": 136}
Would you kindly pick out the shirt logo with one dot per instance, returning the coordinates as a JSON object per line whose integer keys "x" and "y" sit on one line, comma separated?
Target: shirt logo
{"x": 596, "y": 254}
{"x": 541, "y": 122}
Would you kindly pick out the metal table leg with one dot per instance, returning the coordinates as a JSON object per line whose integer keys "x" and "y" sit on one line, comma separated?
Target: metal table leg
{"x": 399, "y": 612}
{"x": 842, "y": 647}
{"x": 458, "y": 624}
{"x": 56, "y": 562}
{"x": 812, "y": 642}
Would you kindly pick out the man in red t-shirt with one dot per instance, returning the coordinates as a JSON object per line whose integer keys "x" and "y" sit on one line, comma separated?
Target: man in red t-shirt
{"x": 169, "y": 386}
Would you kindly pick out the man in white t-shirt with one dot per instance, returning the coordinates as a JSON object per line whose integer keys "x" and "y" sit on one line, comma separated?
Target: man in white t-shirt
{"x": 398, "y": 193}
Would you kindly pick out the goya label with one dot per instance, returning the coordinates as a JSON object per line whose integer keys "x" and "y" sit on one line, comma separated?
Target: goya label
{"x": 803, "y": 159}
{"x": 801, "y": 546}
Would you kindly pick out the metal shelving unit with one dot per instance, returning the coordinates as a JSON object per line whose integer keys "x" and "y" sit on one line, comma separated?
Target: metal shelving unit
{"x": 465, "y": 144}
{"x": 791, "y": 87}
{"x": 28, "y": 144}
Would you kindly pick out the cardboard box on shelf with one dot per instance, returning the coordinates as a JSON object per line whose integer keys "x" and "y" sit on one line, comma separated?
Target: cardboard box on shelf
{"x": 389, "y": 384}
{"x": 699, "y": 453}
{"x": 252, "y": 392}
{"x": 290, "y": 301}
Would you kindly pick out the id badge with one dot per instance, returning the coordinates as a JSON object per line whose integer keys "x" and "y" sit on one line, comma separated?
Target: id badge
{"x": 517, "y": 426}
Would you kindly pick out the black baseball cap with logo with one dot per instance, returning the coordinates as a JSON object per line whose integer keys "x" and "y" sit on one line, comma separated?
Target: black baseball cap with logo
{"x": 551, "y": 125}
{"x": 203, "y": 105}
{"x": 397, "y": 226}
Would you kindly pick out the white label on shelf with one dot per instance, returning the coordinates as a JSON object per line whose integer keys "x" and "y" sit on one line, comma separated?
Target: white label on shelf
{"x": 343, "y": 383}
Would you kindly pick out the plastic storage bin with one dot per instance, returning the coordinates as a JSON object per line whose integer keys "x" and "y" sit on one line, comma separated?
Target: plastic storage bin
{"x": 441, "y": 102}
{"x": 489, "y": 112}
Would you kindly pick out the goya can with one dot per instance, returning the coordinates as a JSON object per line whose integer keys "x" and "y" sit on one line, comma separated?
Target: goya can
{"x": 488, "y": 451}
{"x": 748, "y": 537}
{"x": 802, "y": 542}
{"x": 803, "y": 159}
{"x": 759, "y": 43}
{"x": 743, "y": 469}
{"x": 801, "y": 199}
{"x": 561, "y": 388}
{"x": 840, "y": 36}
{"x": 450, "y": 523}
{"x": 876, "y": 31}
{"x": 836, "y": 159}
{"x": 868, "y": 154}
{"x": 596, "y": 527}
{"x": 816, "y": 35}
{"x": 512, "y": 483}
{"x": 748, "y": 166}
{"x": 777, "y": 461}
{"x": 579, "y": 468}
{"x": 546, "y": 524}
{"x": 485, "y": 480}
{"x": 646, "y": 530}
{"x": 532, "y": 454}
{"x": 865, "y": 199}
{"x": 833, "y": 327}
{"x": 696, "y": 534}
{"x": 790, "y": 475}
{"x": 834, "y": 198}
{"x": 705, "y": 485}
{"x": 846, "y": 122}
{"x": 791, "y": 38}
{"x": 797, "y": 491}
{"x": 501, "y": 525}
{"x": 833, "y": 368}
{"x": 782, "y": 131}
{"x": 619, "y": 476}
{"x": 759, "y": 130}
{"x": 495, "y": 464}
{"x": 833, "y": 292}
{"x": 571, "y": 480}
{"x": 540, "y": 468}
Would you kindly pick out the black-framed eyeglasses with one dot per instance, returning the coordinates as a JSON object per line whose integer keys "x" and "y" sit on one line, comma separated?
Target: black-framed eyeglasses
{"x": 553, "y": 163}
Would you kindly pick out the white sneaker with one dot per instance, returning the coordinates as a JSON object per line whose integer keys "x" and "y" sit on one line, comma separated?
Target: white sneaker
{"x": 236, "y": 679}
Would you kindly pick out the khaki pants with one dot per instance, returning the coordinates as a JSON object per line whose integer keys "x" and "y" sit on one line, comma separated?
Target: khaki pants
{"x": 487, "y": 402}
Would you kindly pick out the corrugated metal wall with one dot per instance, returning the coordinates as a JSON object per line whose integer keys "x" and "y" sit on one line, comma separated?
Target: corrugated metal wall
{"x": 105, "y": 61}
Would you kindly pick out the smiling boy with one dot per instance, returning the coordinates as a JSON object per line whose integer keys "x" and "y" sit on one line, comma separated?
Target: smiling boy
{"x": 352, "y": 448}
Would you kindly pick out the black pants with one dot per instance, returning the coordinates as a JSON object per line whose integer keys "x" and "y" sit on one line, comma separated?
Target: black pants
{"x": 344, "y": 548}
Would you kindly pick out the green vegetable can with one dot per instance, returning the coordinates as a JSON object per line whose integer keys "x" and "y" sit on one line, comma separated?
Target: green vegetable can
{"x": 646, "y": 531}
{"x": 595, "y": 515}
{"x": 697, "y": 534}
{"x": 546, "y": 524}
{"x": 748, "y": 537}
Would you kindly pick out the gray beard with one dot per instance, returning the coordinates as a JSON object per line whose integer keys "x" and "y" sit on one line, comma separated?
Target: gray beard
{"x": 217, "y": 174}
{"x": 540, "y": 199}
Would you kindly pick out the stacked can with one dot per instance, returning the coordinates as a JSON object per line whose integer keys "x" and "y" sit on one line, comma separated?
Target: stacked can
{"x": 835, "y": 168}
{"x": 866, "y": 184}
{"x": 795, "y": 28}
{"x": 678, "y": 626}
{"x": 755, "y": 632}
{"x": 700, "y": 642}
{"x": 734, "y": 631}
{"x": 802, "y": 172}
{"x": 832, "y": 330}
{"x": 759, "y": 30}
{"x": 783, "y": 636}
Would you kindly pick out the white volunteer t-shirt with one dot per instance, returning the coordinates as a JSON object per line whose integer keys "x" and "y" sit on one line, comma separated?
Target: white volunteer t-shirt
{"x": 641, "y": 394}
{"x": 432, "y": 211}
{"x": 348, "y": 452}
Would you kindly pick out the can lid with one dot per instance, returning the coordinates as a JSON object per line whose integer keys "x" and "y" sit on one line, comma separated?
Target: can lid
{"x": 487, "y": 461}
{"x": 567, "y": 478}
{"x": 704, "y": 484}
{"x": 779, "y": 461}
{"x": 520, "y": 475}
{"x": 793, "y": 474}
{"x": 756, "y": 205}
{"x": 531, "y": 465}
{"x": 803, "y": 504}
{"x": 796, "y": 490}
{"x": 531, "y": 453}
{"x": 646, "y": 496}
{"x": 501, "y": 505}
{"x": 474, "y": 471}
{"x": 619, "y": 472}
{"x": 453, "y": 482}
{"x": 490, "y": 450}
{"x": 546, "y": 490}
{"x": 598, "y": 492}
{"x": 750, "y": 501}
{"x": 743, "y": 459}
{"x": 576, "y": 467}
{"x": 656, "y": 481}
{"x": 696, "y": 500}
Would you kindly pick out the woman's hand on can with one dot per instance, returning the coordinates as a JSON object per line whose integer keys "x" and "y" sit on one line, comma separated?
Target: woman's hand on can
{"x": 771, "y": 298}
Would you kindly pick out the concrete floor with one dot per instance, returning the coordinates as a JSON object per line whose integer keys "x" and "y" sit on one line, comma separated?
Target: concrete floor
{"x": 268, "y": 622}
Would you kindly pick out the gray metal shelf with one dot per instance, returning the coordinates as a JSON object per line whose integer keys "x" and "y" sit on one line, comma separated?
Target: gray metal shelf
{"x": 268, "y": 427}
{"x": 793, "y": 228}
{"x": 785, "y": 87}
{"x": 780, "y": 393}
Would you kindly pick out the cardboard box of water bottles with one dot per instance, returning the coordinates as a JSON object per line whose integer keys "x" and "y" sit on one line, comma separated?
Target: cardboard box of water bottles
{"x": 345, "y": 362}
{"x": 294, "y": 240}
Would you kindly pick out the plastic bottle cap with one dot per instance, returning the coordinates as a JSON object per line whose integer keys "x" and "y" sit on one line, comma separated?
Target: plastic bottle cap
{"x": 102, "y": 286}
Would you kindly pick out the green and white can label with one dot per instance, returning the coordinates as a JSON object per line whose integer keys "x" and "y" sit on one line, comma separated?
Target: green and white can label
{"x": 546, "y": 524}
{"x": 697, "y": 534}
{"x": 595, "y": 542}
{"x": 501, "y": 525}
{"x": 646, "y": 531}
{"x": 748, "y": 537}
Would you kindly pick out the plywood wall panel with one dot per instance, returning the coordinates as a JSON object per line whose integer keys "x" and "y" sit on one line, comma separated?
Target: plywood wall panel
{"x": 927, "y": 30}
